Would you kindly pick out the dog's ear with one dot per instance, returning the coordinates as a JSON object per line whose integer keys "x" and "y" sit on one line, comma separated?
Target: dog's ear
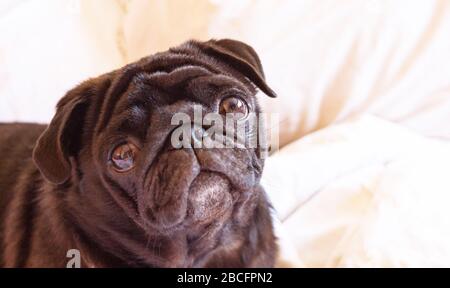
{"x": 62, "y": 138}
{"x": 241, "y": 57}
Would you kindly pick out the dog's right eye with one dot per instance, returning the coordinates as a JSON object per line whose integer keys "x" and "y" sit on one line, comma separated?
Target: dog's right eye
{"x": 123, "y": 157}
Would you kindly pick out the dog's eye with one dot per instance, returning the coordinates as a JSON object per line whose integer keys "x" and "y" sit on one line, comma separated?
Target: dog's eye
{"x": 234, "y": 105}
{"x": 123, "y": 157}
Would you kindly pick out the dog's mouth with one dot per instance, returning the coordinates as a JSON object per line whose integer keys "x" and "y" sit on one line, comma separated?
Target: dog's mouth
{"x": 181, "y": 192}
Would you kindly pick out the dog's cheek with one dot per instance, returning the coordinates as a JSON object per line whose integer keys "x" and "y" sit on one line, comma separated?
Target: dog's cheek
{"x": 164, "y": 200}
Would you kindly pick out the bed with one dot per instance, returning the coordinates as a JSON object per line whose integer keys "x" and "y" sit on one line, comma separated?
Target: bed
{"x": 361, "y": 178}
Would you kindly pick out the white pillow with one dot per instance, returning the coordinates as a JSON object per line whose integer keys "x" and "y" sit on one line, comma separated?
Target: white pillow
{"x": 330, "y": 60}
{"x": 366, "y": 192}
{"x": 49, "y": 46}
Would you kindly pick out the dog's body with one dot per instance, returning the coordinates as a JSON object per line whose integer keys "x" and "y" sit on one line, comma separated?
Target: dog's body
{"x": 175, "y": 208}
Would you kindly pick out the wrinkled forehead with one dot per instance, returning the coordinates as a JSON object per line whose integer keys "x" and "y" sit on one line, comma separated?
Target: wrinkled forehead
{"x": 190, "y": 83}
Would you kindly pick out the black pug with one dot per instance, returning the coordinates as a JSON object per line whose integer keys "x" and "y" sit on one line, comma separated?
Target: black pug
{"x": 103, "y": 177}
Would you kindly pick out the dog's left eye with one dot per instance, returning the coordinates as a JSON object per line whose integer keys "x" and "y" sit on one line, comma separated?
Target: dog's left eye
{"x": 234, "y": 105}
{"x": 123, "y": 157}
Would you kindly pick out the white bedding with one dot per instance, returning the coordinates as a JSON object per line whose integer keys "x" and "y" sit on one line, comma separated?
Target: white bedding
{"x": 328, "y": 60}
{"x": 363, "y": 193}
{"x": 350, "y": 189}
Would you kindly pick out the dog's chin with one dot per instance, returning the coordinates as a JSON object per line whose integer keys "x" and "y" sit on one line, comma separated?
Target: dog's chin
{"x": 209, "y": 198}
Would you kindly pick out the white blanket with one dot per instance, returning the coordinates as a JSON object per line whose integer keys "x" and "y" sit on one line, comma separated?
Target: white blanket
{"x": 363, "y": 193}
{"x": 366, "y": 192}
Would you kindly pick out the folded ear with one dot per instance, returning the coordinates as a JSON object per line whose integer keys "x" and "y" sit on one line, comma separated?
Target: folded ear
{"x": 62, "y": 138}
{"x": 241, "y": 57}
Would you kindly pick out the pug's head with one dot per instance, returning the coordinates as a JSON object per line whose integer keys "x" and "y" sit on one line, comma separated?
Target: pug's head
{"x": 113, "y": 145}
